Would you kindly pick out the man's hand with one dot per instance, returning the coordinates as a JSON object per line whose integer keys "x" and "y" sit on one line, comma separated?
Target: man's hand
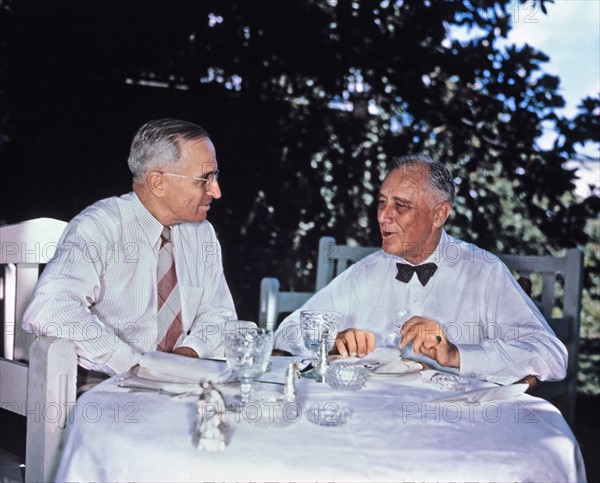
{"x": 429, "y": 338}
{"x": 354, "y": 342}
{"x": 185, "y": 351}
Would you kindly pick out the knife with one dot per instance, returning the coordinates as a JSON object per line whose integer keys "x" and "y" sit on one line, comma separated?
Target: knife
{"x": 496, "y": 393}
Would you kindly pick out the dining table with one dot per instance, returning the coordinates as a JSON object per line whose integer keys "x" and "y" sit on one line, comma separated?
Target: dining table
{"x": 398, "y": 426}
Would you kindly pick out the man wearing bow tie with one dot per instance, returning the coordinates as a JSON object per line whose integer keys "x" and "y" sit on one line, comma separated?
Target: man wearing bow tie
{"x": 461, "y": 306}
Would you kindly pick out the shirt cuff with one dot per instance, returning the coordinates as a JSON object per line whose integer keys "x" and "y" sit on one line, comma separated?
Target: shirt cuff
{"x": 205, "y": 346}
{"x": 123, "y": 359}
{"x": 474, "y": 362}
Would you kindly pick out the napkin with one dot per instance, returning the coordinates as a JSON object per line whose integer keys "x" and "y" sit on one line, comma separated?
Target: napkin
{"x": 388, "y": 361}
{"x": 494, "y": 393}
{"x": 164, "y": 366}
{"x": 409, "y": 353}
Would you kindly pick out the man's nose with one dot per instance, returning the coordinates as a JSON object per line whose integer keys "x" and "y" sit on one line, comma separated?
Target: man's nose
{"x": 383, "y": 214}
{"x": 214, "y": 189}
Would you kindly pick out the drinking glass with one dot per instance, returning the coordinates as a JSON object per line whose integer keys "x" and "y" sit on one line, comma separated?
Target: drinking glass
{"x": 316, "y": 324}
{"x": 248, "y": 350}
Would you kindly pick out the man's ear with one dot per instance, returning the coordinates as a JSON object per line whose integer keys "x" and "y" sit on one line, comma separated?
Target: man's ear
{"x": 441, "y": 214}
{"x": 155, "y": 183}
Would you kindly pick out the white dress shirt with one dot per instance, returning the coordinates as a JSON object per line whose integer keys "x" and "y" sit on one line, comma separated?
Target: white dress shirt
{"x": 100, "y": 290}
{"x": 499, "y": 332}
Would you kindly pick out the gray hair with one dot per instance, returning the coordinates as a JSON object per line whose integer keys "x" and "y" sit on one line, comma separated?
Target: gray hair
{"x": 157, "y": 145}
{"x": 439, "y": 178}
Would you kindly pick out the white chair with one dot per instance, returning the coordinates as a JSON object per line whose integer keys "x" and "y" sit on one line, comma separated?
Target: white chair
{"x": 559, "y": 300}
{"x": 565, "y": 320}
{"x": 332, "y": 259}
{"x": 274, "y": 302}
{"x": 37, "y": 375}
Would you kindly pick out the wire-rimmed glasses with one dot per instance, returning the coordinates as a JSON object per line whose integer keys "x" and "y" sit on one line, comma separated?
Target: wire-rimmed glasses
{"x": 205, "y": 182}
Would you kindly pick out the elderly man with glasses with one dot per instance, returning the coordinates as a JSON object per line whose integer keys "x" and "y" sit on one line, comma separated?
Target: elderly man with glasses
{"x": 143, "y": 271}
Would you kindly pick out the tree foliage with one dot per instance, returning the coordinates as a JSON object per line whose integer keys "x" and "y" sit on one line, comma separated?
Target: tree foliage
{"x": 5, "y": 15}
{"x": 308, "y": 102}
{"x": 475, "y": 106}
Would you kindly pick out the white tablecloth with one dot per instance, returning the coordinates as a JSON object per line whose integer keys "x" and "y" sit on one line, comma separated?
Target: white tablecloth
{"x": 393, "y": 434}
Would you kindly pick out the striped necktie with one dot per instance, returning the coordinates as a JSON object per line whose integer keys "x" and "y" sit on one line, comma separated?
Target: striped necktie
{"x": 170, "y": 328}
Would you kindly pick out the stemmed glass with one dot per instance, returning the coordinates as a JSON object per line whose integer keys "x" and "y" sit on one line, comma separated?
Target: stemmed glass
{"x": 314, "y": 325}
{"x": 248, "y": 350}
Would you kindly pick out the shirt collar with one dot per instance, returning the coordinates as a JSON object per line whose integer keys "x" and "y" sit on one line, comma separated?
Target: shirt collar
{"x": 436, "y": 255}
{"x": 150, "y": 226}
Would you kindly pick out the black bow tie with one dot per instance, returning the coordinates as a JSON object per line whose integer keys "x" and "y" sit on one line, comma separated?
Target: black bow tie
{"x": 424, "y": 272}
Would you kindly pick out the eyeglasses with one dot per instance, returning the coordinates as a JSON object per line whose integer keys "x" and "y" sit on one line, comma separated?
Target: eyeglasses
{"x": 206, "y": 182}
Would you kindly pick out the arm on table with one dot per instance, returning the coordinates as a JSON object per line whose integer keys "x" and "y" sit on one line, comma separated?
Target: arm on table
{"x": 205, "y": 338}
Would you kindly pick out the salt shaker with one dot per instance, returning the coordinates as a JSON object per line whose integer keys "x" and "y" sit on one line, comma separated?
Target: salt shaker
{"x": 323, "y": 362}
{"x": 290, "y": 382}
{"x": 210, "y": 428}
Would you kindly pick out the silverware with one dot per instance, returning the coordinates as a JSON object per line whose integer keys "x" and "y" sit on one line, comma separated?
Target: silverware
{"x": 494, "y": 393}
{"x": 271, "y": 382}
{"x": 140, "y": 387}
{"x": 135, "y": 386}
{"x": 157, "y": 390}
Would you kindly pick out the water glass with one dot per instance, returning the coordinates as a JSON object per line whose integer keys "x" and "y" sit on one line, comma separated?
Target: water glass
{"x": 314, "y": 324}
{"x": 248, "y": 351}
